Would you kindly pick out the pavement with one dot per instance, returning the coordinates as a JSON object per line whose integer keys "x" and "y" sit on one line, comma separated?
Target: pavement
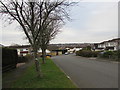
{"x": 10, "y": 76}
{"x": 89, "y": 72}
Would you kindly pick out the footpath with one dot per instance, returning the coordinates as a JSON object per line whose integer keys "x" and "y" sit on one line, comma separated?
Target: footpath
{"x": 13, "y": 74}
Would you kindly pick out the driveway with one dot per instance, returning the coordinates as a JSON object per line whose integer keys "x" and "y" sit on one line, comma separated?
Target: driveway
{"x": 88, "y": 72}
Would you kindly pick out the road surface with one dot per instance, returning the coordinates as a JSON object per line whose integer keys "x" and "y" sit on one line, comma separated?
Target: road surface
{"x": 89, "y": 73}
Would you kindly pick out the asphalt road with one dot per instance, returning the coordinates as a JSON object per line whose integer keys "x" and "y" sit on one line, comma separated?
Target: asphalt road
{"x": 89, "y": 73}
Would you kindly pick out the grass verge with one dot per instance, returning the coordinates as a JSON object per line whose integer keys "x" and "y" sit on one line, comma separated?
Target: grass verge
{"x": 52, "y": 78}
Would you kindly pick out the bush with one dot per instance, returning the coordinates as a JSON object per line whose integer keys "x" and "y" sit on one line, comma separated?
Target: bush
{"x": 9, "y": 58}
{"x": 77, "y": 53}
{"x": 88, "y": 48}
{"x": 107, "y": 54}
{"x": 26, "y": 58}
{"x": 114, "y": 55}
{"x": 29, "y": 57}
{"x": 118, "y": 54}
{"x": 95, "y": 53}
{"x": 87, "y": 53}
{"x": 22, "y": 59}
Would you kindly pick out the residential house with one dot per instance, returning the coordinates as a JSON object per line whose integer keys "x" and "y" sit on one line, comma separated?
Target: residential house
{"x": 22, "y": 50}
{"x": 1, "y": 45}
{"x": 111, "y": 45}
{"x": 55, "y": 50}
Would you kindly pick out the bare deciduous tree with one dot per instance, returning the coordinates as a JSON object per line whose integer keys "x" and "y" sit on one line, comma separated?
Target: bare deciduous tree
{"x": 49, "y": 33}
{"x": 33, "y": 17}
{"x": 26, "y": 14}
{"x": 53, "y": 24}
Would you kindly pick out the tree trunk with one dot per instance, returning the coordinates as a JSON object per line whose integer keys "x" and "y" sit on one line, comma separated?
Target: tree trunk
{"x": 37, "y": 64}
{"x": 43, "y": 55}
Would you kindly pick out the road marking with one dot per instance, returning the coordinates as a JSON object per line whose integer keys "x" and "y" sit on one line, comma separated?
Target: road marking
{"x": 68, "y": 77}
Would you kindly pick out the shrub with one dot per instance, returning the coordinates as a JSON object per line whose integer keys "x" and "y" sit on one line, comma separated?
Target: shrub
{"x": 26, "y": 58}
{"x": 77, "y": 53}
{"x": 88, "y": 48}
{"x": 113, "y": 55}
{"x": 95, "y": 53}
{"x": 29, "y": 57}
{"x": 87, "y": 53}
{"x": 116, "y": 55}
{"x": 107, "y": 54}
{"x": 22, "y": 59}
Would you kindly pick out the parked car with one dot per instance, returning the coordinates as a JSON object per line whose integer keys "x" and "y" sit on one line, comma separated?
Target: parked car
{"x": 49, "y": 55}
{"x": 46, "y": 55}
{"x": 66, "y": 53}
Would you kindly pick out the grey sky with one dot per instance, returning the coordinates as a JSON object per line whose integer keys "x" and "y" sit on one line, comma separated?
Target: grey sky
{"x": 91, "y": 22}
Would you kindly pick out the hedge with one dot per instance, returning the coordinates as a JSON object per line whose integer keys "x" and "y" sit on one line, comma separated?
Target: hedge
{"x": 87, "y": 53}
{"x": 111, "y": 55}
{"x": 9, "y": 59}
{"x": 107, "y": 54}
{"x": 25, "y": 59}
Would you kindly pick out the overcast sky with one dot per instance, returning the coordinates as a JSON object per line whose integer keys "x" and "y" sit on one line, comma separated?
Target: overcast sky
{"x": 91, "y": 22}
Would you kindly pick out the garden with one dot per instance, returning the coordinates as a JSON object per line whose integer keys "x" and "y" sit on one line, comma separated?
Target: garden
{"x": 108, "y": 55}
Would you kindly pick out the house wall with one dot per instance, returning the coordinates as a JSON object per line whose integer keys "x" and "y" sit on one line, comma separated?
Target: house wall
{"x": 101, "y": 46}
{"x": 19, "y": 50}
{"x": 60, "y": 53}
{"x": 113, "y": 44}
{"x": 53, "y": 53}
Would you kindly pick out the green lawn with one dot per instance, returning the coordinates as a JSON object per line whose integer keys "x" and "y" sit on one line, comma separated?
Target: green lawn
{"x": 53, "y": 77}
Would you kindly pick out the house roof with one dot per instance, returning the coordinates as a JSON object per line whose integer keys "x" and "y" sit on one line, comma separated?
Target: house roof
{"x": 52, "y": 47}
{"x": 1, "y": 45}
{"x": 23, "y": 46}
{"x": 112, "y": 40}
